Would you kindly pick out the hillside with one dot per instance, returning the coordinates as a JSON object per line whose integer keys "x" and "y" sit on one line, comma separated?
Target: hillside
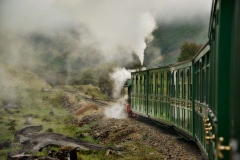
{"x": 168, "y": 38}
{"x": 25, "y": 100}
{"x": 62, "y": 113}
{"x": 12, "y": 77}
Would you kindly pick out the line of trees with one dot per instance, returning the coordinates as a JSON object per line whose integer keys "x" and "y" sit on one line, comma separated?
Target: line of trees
{"x": 188, "y": 51}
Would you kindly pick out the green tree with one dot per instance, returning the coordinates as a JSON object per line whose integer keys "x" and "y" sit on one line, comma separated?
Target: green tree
{"x": 105, "y": 83}
{"x": 88, "y": 77}
{"x": 188, "y": 50}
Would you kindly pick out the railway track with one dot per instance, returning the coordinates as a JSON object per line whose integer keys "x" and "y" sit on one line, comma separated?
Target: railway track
{"x": 96, "y": 101}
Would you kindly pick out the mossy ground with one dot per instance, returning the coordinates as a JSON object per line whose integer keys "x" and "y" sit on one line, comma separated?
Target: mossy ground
{"x": 24, "y": 89}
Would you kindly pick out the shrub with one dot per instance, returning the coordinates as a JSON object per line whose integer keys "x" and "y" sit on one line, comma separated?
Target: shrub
{"x": 49, "y": 130}
{"x": 57, "y": 99}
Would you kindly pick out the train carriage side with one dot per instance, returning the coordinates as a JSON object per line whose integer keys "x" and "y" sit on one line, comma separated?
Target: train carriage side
{"x": 235, "y": 86}
{"x": 204, "y": 131}
{"x": 139, "y": 92}
{"x": 159, "y": 94}
{"x": 181, "y": 97}
{"x": 220, "y": 39}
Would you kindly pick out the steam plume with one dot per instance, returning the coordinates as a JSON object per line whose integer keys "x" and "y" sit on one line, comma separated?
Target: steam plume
{"x": 119, "y": 75}
{"x": 105, "y": 25}
{"x": 117, "y": 110}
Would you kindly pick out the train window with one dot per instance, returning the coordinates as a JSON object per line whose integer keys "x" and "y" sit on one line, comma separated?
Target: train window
{"x": 190, "y": 83}
{"x": 207, "y": 77}
{"x": 145, "y": 83}
{"x": 149, "y": 83}
{"x": 186, "y": 82}
{"x": 172, "y": 84}
{"x": 161, "y": 83}
{"x": 177, "y": 84}
{"x": 156, "y": 83}
{"x": 164, "y": 83}
{"x": 185, "y": 88}
{"x": 188, "y": 86}
{"x": 197, "y": 81}
{"x": 203, "y": 86}
{"x": 191, "y": 92}
{"x": 136, "y": 84}
{"x": 140, "y": 84}
{"x": 204, "y": 80}
{"x": 181, "y": 85}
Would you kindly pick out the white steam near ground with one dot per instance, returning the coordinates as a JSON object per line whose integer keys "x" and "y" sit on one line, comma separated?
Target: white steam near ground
{"x": 117, "y": 110}
{"x": 119, "y": 75}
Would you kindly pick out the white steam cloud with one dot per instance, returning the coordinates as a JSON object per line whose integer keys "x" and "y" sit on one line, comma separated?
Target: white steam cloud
{"x": 117, "y": 110}
{"x": 108, "y": 24}
{"x": 119, "y": 75}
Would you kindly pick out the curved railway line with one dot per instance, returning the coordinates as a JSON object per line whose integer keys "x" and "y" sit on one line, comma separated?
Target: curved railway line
{"x": 96, "y": 101}
{"x": 171, "y": 130}
{"x": 199, "y": 97}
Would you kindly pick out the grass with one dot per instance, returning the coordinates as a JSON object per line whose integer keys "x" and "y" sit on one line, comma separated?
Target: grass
{"x": 39, "y": 111}
{"x": 24, "y": 89}
{"x": 86, "y": 129}
{"x": 91, "y": 91}
{"x": 12, "y": 77}
{"x": 37, "y": 105}
{"x": 3, "y": 152}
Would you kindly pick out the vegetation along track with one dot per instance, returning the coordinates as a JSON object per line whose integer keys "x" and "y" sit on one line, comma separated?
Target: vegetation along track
{"x": 96, "y": 101}
{"x": 165, "y": 141}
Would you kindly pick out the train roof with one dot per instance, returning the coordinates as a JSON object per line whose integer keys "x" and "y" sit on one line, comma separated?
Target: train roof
{"x": 213, "y": 10}
{"x": 204, "y": 48}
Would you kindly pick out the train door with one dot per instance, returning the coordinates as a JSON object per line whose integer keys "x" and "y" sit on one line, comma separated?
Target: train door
{"x": 235, "y": 87}
{"x": 172, "y": 90}
{"x": 221, "y": 44}
{"x": 169, "y": 113}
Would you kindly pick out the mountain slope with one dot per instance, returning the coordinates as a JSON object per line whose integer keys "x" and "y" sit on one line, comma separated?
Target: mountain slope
{"x": 168, "y": 38}
{"x": 11, "y": 77}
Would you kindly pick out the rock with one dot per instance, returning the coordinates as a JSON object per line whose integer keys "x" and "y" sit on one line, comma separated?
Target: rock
{"x": 109, "y": 152}
{"x": 119, "y": 153}
{"x": 80, "y": 135}
{"x": 13, "y": 122}
{"x": 28, "y": 120}
{"x": 97, "y": 134}
{"x": 11, "y": 128}
{"x": 7, "y": 110}
{"x": 43, "y": 90}
{"x": 7, "y": 143}
{"x": 128, "y": 138}
{"x": 52, "y": 112}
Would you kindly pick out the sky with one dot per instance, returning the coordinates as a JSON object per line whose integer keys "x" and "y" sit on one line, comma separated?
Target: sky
{"x": 114, "y": 28}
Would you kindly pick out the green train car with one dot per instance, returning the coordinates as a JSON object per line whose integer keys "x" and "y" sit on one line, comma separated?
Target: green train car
{"x": 199, "y": 97}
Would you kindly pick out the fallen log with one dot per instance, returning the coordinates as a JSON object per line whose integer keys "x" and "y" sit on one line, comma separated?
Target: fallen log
{"x": 33, "y": 141}
{"x": 25, "y": 130}
{"x": 7, "y": 110}
{"x": 38, "y": 141}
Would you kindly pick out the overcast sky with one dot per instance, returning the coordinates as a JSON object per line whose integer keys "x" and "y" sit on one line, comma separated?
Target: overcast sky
{"x": 109, "y": 24}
